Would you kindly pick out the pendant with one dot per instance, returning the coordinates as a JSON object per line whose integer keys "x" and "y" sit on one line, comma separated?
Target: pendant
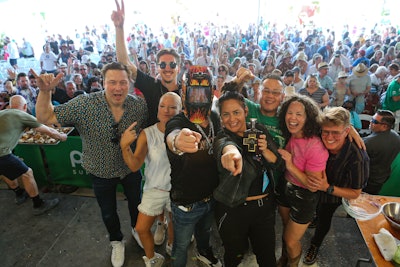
{"x": 210, "y": 151}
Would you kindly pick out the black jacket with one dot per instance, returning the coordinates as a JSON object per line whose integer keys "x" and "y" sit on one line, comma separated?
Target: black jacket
{"x": 233, "y": 190}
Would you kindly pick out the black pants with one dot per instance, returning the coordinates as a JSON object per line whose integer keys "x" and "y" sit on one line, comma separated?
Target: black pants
{"x": 254, "y": 221}
{"x": 325, "y": 213}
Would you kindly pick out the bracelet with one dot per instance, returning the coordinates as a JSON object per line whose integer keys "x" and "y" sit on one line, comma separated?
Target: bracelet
{"x": 174, "y": 149}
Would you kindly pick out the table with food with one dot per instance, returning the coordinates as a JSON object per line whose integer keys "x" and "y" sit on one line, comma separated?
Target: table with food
{"x": 378, "y": 218}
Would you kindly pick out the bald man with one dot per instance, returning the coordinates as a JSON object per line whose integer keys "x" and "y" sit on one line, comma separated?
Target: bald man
{"x": 13, "y": 122}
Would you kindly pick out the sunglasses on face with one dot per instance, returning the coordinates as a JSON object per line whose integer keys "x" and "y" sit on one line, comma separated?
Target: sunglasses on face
{"x": 374, "y": 121}
{"x": 116, "y": 136}
{"x": 163, "y": 65}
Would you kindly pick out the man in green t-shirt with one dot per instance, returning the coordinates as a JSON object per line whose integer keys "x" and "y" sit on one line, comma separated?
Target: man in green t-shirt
{"x": 266, "y": 112}
{"x": 392, "y": 100}
{"x": 13, "y": 122}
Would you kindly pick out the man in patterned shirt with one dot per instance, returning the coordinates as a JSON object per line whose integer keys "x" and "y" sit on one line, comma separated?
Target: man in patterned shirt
{"x": 100, "y": 119}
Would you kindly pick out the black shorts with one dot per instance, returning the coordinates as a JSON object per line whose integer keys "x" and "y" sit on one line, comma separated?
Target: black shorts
{"x": 12, "y": 167}
{"x": 13, "y": 61}
{"x": 303, "y": 203}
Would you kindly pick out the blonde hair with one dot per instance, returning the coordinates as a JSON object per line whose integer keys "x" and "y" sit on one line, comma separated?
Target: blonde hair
{"x": 336, "y": 116}
{"x": 176, "y": 97}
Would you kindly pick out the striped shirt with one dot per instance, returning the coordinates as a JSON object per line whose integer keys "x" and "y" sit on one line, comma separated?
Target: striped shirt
{"x": 349, "y": 168}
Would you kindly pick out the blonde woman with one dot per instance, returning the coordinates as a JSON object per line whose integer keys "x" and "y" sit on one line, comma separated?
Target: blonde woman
{"x": 150, "y": 149}
{"x": 314, "y": 90}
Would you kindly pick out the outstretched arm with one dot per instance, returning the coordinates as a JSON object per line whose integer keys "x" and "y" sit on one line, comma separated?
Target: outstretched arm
{"x": 118, "y": 17}
{"x": 51, "y": 132}
{"x": 231, "y": 159}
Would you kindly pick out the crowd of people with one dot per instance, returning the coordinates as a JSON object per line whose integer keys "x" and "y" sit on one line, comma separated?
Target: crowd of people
{"x": 140, "y": 104}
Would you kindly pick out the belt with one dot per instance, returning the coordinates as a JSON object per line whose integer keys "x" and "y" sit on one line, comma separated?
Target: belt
{"x": 189, "y": 207}
{"x": 258, "y": 200}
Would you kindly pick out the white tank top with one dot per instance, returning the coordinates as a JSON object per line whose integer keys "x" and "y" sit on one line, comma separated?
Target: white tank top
{"x": 157, "y": 170}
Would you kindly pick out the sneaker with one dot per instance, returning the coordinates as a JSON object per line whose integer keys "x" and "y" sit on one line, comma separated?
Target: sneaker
{"x": 21, "y": 198}
{"x": 136, "y": 237}
{"x": 156, "y": 261}
{"x": 168, "y": 249}
{"x": 118, "y": 253}
{"x": 311, "y": 255}
{"x": 48, "y": 204}
{"x": 207, "y": 257}
{"x": 159, "y": 234}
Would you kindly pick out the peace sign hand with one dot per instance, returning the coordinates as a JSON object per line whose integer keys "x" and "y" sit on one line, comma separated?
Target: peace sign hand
{"x": 118, "y": 16}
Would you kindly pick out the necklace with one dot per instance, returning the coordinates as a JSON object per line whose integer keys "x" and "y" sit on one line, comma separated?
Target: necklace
{"x": 210, "y": 136}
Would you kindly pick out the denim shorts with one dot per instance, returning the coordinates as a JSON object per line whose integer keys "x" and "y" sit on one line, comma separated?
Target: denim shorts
{"x": 303, "y": 203}
{"x": 12, "y": 167}
{"x": 154, "y": 201}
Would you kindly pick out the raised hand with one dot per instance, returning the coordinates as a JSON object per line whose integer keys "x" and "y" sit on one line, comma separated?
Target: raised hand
{"x": 118, "y": 16}
{"x": 243, "y": 75}
{"x": 12, "y": 74}
{"x": 47, "y": 82}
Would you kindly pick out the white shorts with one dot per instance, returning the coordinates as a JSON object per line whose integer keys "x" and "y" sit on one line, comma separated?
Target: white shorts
{"x": 154, "y": 201}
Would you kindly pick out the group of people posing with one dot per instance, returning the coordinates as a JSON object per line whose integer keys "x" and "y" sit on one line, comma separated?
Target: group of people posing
{"x": 205, "y": 168}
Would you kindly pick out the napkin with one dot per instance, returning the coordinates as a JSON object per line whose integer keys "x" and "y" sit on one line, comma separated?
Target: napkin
{"x": 386, "y": 244}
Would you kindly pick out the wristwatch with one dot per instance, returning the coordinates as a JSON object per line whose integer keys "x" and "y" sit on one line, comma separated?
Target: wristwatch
{"x": 330, "y": 189}
{"x": 174, "y": 149}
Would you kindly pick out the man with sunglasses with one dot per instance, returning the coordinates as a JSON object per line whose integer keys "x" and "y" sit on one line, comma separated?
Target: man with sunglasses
{"x": 346, "y": 173}
{"x": 383, "y": 145}
{"x": 168, "y": 62}
{"x": 101, "y": 118}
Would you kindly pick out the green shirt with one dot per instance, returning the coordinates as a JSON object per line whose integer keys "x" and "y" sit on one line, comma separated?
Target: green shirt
{"x": 271, "y": 123}
{"x": 13, "y": 123}
{"x": 393, "y": 90}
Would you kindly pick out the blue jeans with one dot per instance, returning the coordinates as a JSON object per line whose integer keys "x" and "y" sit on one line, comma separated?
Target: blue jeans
{"x": 106, "y": 195}
{"x": 198, "y": 221}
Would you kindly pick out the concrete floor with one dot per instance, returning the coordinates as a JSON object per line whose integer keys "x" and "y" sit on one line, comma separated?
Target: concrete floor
{"x": 73, "y": 234}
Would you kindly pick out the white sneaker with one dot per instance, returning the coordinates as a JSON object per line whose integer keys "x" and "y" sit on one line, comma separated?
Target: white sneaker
{"x": 159, "y": 234}
{"x": 156, "y": 261}
{"x": 136, "y": 237}
{"x": 168, "y": 249}
{"x": 208, "y": 258}
{"x": 118, "y": 253}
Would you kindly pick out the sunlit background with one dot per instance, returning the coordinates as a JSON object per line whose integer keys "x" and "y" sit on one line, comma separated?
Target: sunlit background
{"x": 36, "y": 19}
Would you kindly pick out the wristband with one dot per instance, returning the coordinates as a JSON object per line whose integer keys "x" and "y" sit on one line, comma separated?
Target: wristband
{"x": 174, "y": 149}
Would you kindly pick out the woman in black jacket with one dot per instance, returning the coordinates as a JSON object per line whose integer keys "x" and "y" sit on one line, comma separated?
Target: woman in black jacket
{"x": 245, "y": 196}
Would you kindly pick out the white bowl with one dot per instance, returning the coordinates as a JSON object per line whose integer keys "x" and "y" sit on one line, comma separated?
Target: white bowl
{"x": 362, "y": 208}
{"x": 391, "y": 211}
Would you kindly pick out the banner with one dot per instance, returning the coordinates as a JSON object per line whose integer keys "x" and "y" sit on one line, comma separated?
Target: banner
{"x": 31, "y": 155}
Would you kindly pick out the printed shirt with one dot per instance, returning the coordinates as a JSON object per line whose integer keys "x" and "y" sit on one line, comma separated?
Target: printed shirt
{"x": 90, "y": 115}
